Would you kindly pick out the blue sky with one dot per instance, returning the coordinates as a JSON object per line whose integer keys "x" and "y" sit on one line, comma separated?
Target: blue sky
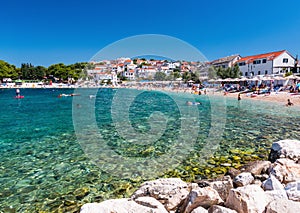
{"x": 48, "y": 32}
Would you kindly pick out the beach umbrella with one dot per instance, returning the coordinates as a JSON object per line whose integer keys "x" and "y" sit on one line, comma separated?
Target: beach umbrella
{"x": 211, "y": 80}
{"x": 236, "y": 79}
{"x": 290, "y": 77}
{"x": 228, "y": 80}
{"x": 243, "y": 79}
{"x": 254, "y": 79}
{"x": 266, "y": 78}
{"x": 278, "y": 78}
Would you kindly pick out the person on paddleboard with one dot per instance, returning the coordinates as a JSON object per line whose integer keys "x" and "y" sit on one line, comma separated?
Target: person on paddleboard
{"x": 17, "y": 92}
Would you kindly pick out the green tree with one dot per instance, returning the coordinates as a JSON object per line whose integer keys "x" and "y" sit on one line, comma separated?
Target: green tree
{"x": 212, "y": 73}
{"x": 229, "y": 72}
{"x": 8, "y": 71}
{"x": 160, "y": 76}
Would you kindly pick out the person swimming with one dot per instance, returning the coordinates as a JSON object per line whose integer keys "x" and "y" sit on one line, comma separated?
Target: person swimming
{"x": 190, "y": 103}
{"x": 289, "y": 103}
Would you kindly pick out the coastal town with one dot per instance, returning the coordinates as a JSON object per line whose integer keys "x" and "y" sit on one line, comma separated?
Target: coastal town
{"x": 263, "y": 66}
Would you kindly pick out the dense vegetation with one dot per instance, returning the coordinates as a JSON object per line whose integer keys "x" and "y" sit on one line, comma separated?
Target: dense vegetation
{"x": 30, "y": 72}
{"x": 229, "y": 72}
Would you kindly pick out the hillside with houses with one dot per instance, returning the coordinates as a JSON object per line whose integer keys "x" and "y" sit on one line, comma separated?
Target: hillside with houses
{"x": 106, "y": 72}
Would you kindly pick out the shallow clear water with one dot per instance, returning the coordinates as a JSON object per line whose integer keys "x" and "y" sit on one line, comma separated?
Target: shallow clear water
{"x": 46, "y": 165}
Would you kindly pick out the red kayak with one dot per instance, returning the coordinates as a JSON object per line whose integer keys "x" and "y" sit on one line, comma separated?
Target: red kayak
{"x": 19, "y": 97}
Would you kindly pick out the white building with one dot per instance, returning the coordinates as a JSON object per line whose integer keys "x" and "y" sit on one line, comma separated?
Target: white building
{"x": 273, "y": 63}
{"x": 225, "y": 62}
{"x": 129, "y": 74}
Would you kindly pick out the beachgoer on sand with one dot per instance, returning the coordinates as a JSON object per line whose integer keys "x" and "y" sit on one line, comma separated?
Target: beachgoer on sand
{"x": 239, "y": 97}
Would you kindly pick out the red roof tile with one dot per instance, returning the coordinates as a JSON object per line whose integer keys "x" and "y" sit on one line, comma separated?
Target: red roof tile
{"x": 269, "y": 56}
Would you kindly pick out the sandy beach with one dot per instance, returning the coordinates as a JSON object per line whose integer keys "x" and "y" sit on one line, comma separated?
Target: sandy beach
{"x": 281, "y": 97}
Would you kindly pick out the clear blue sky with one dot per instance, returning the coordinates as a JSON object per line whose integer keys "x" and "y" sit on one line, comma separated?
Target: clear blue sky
{"x": 47, "y": 32}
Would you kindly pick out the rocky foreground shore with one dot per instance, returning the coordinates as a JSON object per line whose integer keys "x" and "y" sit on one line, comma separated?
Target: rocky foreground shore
{"x": 259, "y": 187}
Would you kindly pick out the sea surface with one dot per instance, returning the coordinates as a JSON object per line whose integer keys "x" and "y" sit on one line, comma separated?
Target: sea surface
{"x": 57, "y": 153}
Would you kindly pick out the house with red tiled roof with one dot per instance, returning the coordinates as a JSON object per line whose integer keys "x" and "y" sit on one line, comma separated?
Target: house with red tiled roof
{"x": 273, "y": 63}
{"x": 226, "y": 62}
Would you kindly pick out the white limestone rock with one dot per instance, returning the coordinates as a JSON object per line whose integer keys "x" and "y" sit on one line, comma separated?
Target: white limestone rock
{"x": 247, "y": 199}
{"x": 204, "y": 197}
{"x": 243, "y": 179}
{"x": 293, "y": 191}
{"x": 285, "y": 149}
{"x": 222, "y": 186}
{"x": 199, "y": 210}
{"x": 282, "y": 205}
{"x": 286, "y": 170}
{"x": 275, "y": 195}
{"x": 272, "y": 183}
{"x": 257, "y": 167}
{"x": 220, "y": 209}
{"x": 171, "y": 192}
{"x": 124, "y": 206}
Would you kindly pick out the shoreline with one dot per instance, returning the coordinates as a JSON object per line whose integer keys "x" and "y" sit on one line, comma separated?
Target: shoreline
{"x": 280, "y": 97}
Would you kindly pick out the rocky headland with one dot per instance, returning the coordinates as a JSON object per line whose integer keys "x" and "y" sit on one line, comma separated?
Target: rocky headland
{"x": 271, "y": 186}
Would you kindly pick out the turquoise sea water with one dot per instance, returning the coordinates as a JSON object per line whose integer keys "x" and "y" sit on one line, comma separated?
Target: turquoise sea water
{"x": 45, "y": 166}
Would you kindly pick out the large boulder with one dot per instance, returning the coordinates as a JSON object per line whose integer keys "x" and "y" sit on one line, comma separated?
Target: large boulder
{"x": 204, "y": 197}
{"x": 171, "y": 192}
{"x": 257, "y": 167}
{"x": 200, "y": 210}
{"x": 293, "y": 191}
{"x": 272, "y": 183}
{"x": 243, "y": 179}
{"x": 282, "y": 205}
{"x": 147, "y": 205}
{"x": 232, "y": 172}
{"x": 247, "y": 199}
{"x": 285, "y": 149}
{"x": 275, "y": 195}
{"x": 220, "y": 209}
{"x": 222, "y": 186}
{"x": 286, "y": 170}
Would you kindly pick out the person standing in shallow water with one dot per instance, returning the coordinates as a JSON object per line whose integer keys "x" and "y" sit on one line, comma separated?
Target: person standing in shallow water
{"x": 289, "y": 103}
{"x": 239, "y": 97}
